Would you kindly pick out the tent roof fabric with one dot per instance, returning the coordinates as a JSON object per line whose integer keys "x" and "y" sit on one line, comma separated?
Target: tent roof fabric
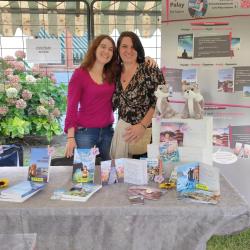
{"x": 57, "y": 16}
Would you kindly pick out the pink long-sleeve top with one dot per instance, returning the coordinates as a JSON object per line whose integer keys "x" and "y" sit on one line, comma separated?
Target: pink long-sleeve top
{"x": 89, "y": 105}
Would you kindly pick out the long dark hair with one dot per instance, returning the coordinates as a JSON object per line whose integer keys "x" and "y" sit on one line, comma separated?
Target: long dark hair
{"x": 90, "y": 58}
{"x": 136, "y": 44}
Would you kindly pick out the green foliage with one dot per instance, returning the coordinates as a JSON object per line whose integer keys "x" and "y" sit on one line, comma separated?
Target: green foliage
{"x": 14, "y": 127}
{"x": 30, "y": 102}
{"x": 239, "y": 241}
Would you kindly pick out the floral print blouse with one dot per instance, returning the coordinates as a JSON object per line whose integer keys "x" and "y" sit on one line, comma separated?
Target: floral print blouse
{"x": 134, "y": 102}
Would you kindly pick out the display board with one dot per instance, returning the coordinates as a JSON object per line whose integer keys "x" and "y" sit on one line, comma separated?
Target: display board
{"x": 207, "y": 42}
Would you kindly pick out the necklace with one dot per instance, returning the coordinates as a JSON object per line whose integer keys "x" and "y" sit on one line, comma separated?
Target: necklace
{"x": 127, "y": 76}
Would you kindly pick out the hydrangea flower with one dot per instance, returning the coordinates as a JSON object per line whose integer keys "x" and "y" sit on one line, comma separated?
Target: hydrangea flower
{"x": 20, "y": 54}
{"x": 8, "y": 72}
{"x": 30, "y": 79}
{"x": 19, "y": 66}
{"x": 21, "y": 104}
{"x": 3, "y": 110}
{"x": 11, "y": 92}
{"x": 26, "y": 94}
{"x": 41, "y": 110}
{"x": 56, "y": 112}
{"x": 26, "y": 97}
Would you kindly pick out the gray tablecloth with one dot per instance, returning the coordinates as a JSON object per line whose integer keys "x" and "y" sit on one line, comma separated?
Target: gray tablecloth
{"x": 108, "y": 221}
{"x": 18, "y": 241}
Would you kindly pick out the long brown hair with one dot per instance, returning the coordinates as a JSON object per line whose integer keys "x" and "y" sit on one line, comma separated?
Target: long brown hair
{"x": 90, "y": 58}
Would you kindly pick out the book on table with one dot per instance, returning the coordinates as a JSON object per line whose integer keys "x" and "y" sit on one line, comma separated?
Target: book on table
{"x": 112, "y": 171}
{"x": 38, "y": 176}
{"x": 82, "y": 187}
{"x": 84, "y": 165}
{"x": 21, "y": 191}
{"x": 198, "y": 182}
{"x": 80, "y": 192}
{"x": 39, "y": 165}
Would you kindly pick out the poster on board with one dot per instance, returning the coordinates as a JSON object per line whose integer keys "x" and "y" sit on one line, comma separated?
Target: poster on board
{"x": 210, "y": 36}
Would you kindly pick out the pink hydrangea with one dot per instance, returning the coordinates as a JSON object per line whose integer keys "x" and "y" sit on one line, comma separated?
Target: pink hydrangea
{"x": 20, "y": 54}
{"x": 56, "y": 112}
{"x": 14, "y": 82}
{"x": 26, "y": 95}
{"x": 11, "y": 101}
{"x": 245, "y": 4}
{"x": 21, "y": 104}
{"x": 36, "y": 70}
{"x": 9, "y": 59}
{"x": 8, "y": 72}
{"x": 3, "y": 110}
{"x": 19, "y": 66}
{"x": 15, "y": 85}
{"x": 13, "y": 78}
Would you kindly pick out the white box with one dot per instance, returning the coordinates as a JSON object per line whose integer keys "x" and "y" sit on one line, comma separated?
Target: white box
{"x": 197, "y": 141}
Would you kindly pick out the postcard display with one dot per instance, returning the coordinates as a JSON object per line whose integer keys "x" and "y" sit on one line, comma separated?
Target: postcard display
{"x": 211, "y": 49}
{"x": 197, "y": 140}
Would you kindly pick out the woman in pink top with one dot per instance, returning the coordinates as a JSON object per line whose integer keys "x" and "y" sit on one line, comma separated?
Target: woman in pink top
{"x": 89, "y": 116}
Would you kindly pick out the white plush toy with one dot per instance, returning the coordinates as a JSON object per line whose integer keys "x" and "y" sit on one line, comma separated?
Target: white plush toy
{"x": 194, "y": 104}
{"x": 163, "y": 107}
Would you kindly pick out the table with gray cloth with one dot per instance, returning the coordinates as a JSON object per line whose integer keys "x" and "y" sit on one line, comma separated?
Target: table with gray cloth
{"x": 108, "y": 221}
{"x": 18, "y": 241}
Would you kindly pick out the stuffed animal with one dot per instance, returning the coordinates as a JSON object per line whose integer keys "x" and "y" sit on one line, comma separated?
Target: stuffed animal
{"x": 163, "y": 107}
{"x": 194, "y": 102}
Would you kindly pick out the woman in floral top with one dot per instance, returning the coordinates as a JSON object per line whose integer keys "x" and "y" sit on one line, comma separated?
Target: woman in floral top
{"x": 135, "y": 85}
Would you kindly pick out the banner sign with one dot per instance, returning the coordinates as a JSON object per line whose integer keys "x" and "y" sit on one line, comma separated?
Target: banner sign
{"x": 188, "y": 9}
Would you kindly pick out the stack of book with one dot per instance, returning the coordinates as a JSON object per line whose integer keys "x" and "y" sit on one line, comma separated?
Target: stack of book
{"x": 21, "y": 191}
{"x": 38, "y": 176}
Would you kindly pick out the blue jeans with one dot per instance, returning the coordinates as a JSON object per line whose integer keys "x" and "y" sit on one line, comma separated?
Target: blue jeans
{"x": 99, "y": 137}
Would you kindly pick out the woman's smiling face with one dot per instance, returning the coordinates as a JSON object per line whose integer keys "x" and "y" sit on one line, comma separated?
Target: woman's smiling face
{"x": 104, "y": 51}
{"x": 127, "y": 52}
